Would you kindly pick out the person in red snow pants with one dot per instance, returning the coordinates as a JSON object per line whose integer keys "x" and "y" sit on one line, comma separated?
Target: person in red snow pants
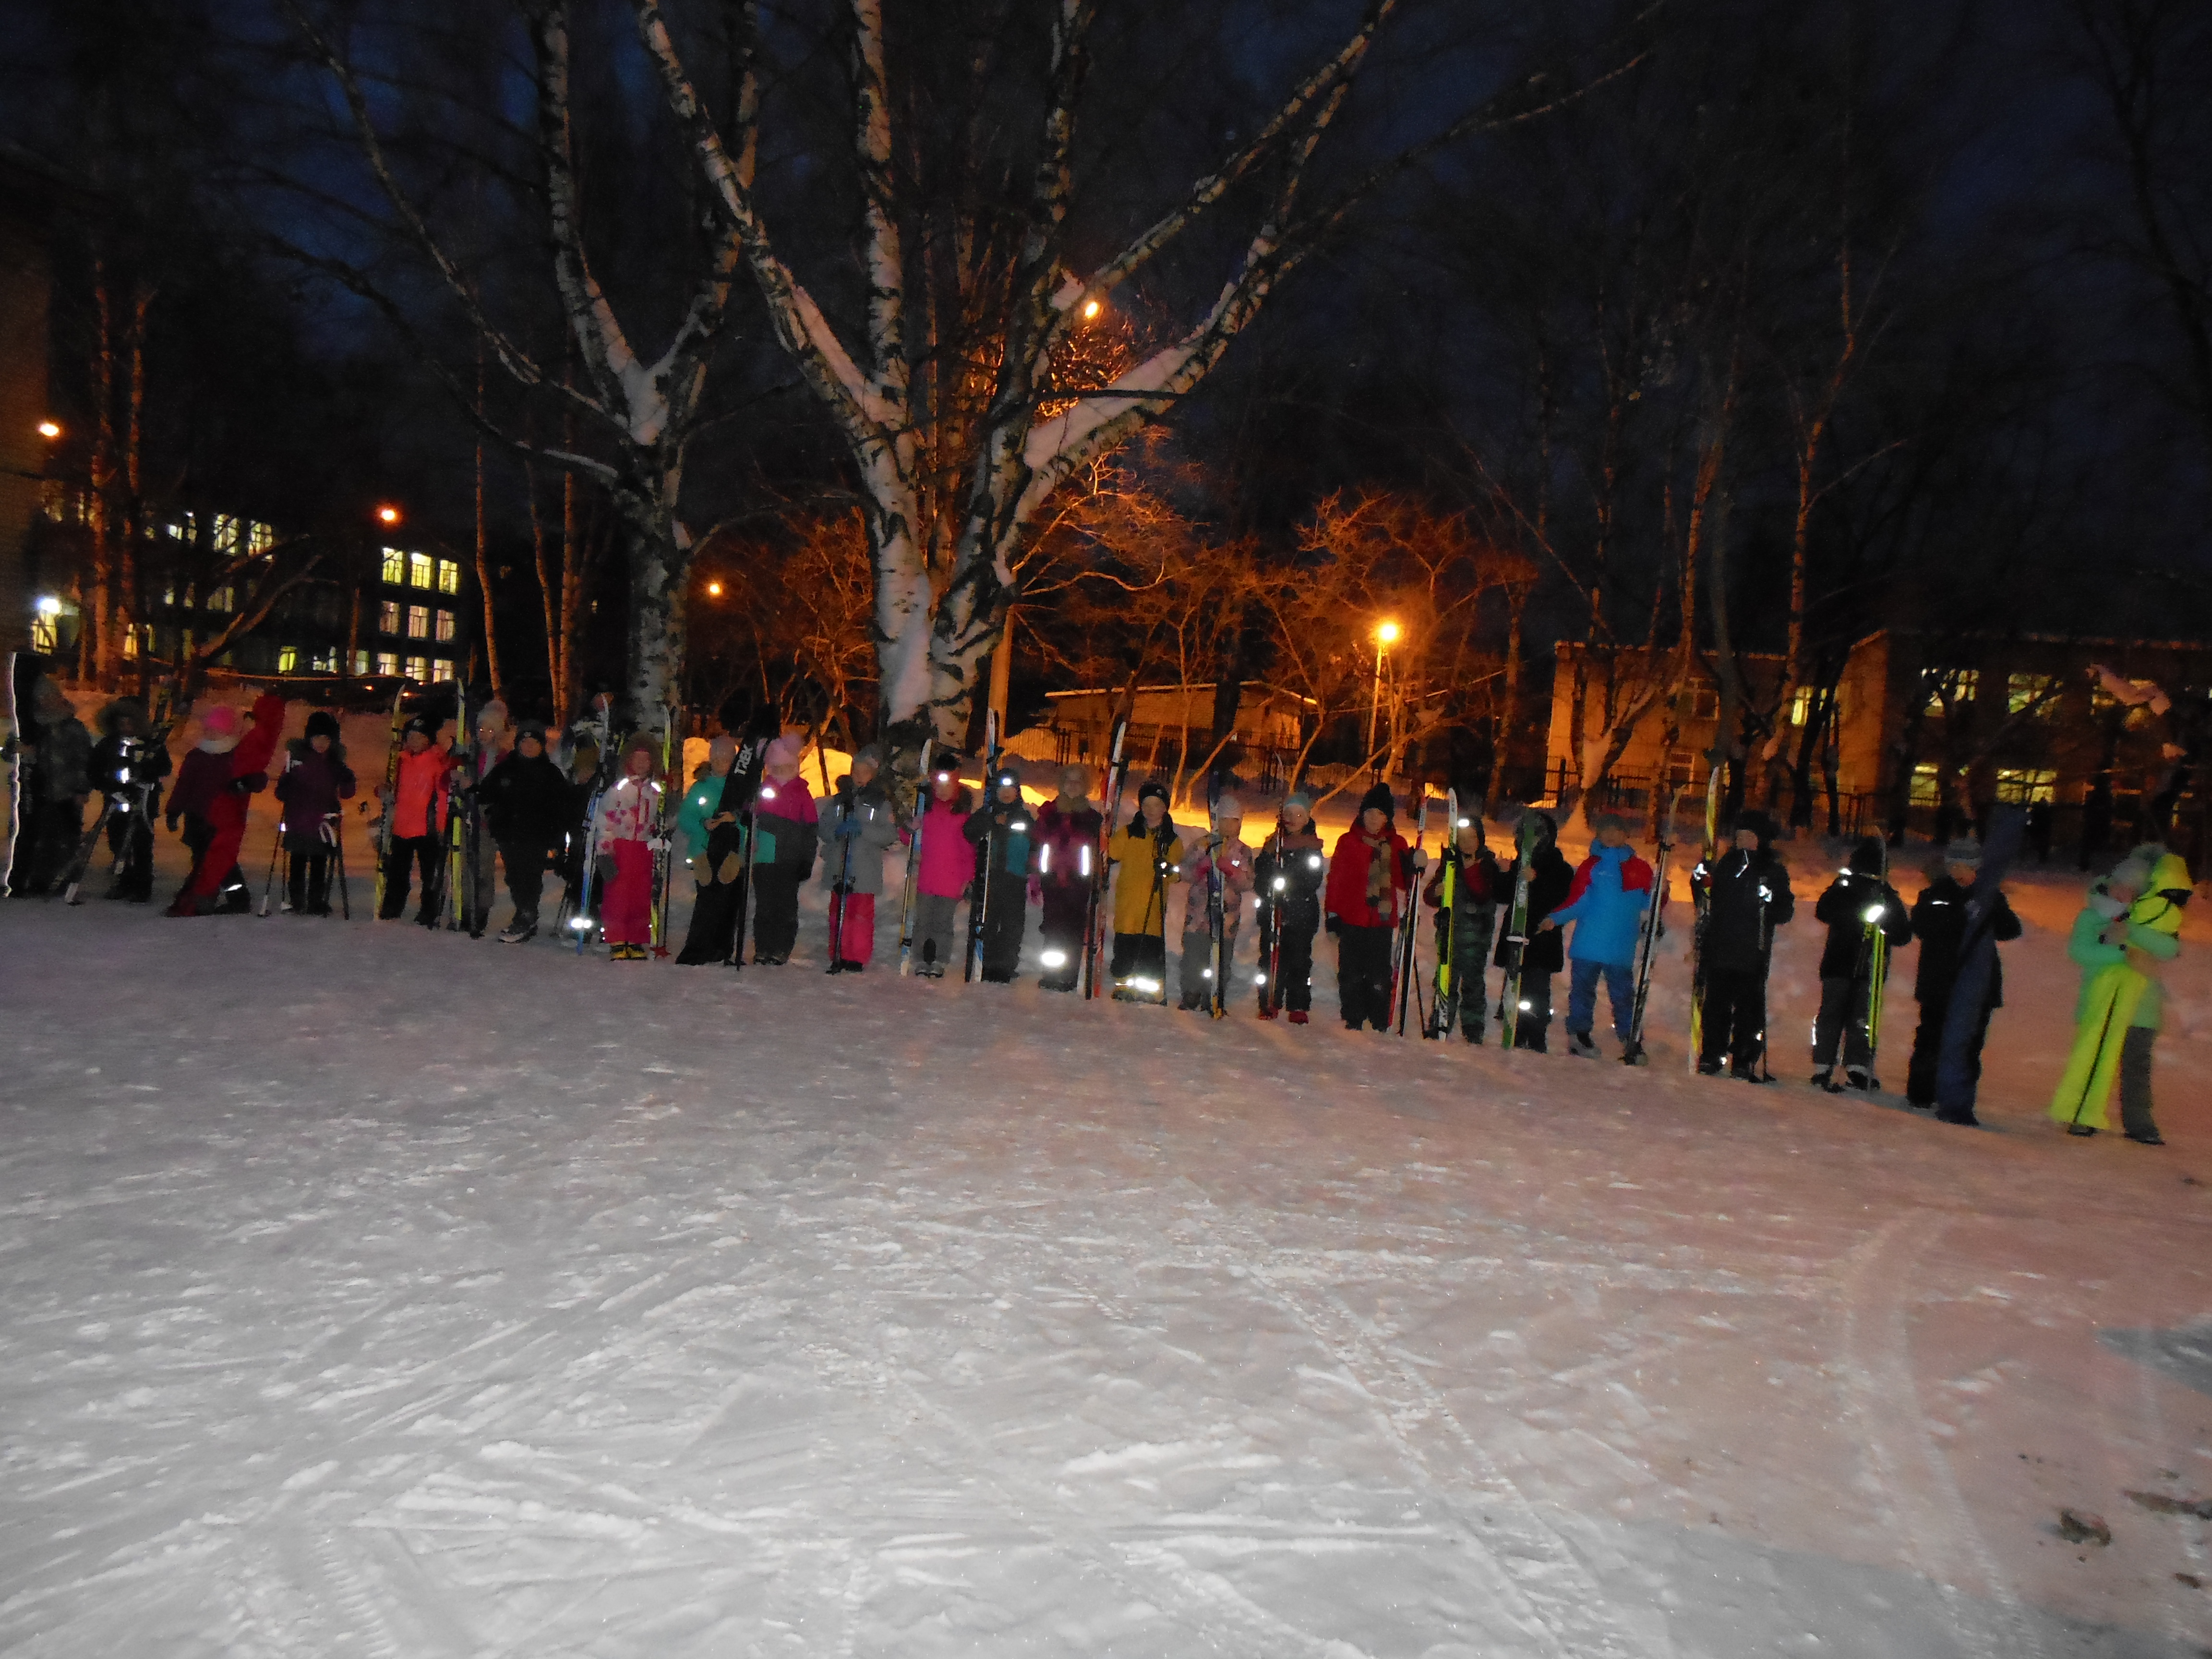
{"x": 628, "y": 819}
{"x": 213, "y": 787}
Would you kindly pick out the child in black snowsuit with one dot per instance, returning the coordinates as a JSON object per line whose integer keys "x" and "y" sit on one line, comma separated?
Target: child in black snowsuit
{"x": 128, "y": 766}
{"x": 528, "y": 805}
{"x": 1473, "y": 924}
{"x": 1002, "y": 833}
{"x": 1939, "y": 922}
{"x": 315, "y": 779}
{"x": 1550, "y": 879}
{"x": 1747, "y": 898}
{"x": 1292, "y": 869}
{"x": 1857, "y": 904}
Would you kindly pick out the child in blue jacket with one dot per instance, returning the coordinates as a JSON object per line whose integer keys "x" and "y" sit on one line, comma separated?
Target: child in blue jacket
{"x": 1611, "y": 890}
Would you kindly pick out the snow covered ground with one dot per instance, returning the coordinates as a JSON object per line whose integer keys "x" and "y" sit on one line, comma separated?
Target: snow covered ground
{"x": 372, "y": 1291}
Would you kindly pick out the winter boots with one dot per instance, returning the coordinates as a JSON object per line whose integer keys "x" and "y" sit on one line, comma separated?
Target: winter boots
{"x": 1580, "y": 1045}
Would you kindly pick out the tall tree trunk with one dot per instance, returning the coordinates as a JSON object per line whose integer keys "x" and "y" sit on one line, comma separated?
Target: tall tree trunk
{"x": 483, "y": 551}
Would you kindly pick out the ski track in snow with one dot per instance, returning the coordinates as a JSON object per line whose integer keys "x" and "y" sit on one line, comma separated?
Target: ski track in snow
{"x": 375, "y": 1293}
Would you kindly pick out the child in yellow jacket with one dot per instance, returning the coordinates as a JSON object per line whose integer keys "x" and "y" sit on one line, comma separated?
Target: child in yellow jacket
{"x": 2129, "y": 930}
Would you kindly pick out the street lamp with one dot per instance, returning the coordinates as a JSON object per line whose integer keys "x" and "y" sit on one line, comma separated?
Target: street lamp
{"x": 387, "y": 516}
{"x": 50, "y": 430}
{"x": 1386, "y": 635}
{"x": 714, "y": 590}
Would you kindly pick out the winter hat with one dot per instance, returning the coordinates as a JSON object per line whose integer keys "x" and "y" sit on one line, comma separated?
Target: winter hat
{"x": 721, "y": 751}
{"x": 784, "y": 751}
{"x": 1009, "y": 771}
{"x": 222, "y": 721}
{"x": 322, "y": 724}
{"x": 872, "y": 753}
{"x": 1966, "y": 850}
{"x": 1382, "y": 799}
{"x": 641, "y": 743}
{"x": 1152, "y": 789}
{"x": 531, "y": 729}
{"x": 1760, "y": 824}
{"x": 492, "y": 717}
{"x": 424, "y": 723}
{"x": 1867, "y": 857}
{"x": 1605, "y": 821}
{"x": 1299, "y": 798}
{"x": 115, "y": 712}
{"x": 1229, "y": 807}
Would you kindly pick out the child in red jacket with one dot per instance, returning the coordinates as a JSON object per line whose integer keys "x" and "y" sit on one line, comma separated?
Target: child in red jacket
{"x": 627, "y": 825}
{"x": 417, "y": 806}
{"x": 212, "y": 787}
{"x": 1370, "y": 877}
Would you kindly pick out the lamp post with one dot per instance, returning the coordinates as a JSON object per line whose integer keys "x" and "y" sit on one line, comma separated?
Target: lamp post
{"x": 1386, "y": 635}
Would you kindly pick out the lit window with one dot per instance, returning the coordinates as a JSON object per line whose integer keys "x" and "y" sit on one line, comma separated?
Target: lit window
{"x": 2028, "y": 694}
{"x": 388, "y": 616}
{"x": 420, "y": 573}
{"x": 46, "y": 632}
{"x": 224, "y": 599}
{"x": 225, "y": 533}
{"x": 418, "y": 622}
{"x": 444, "y": 625}
{"x": 395, "y": 566}
{"x": 1954, "y": 686}
{"x": 387, "y": 662}
{"x": 130, "y": 644}
{"x": 2025, "y": 786}
{"x": 259, "y": 538}
{"x": 181, "y": 531}
{"x": 449, "y": 576}
{"x": 442, "y": 669}
{"x": 1800, "y": 706}
{"x": 1927, "y": 788}
{"x": 361, "y": 662}
{"x": 325, "y": 662}
{"x": 288, "y": 660}
{"x": 418, "y": 668}
{"x": 169, "y": 593}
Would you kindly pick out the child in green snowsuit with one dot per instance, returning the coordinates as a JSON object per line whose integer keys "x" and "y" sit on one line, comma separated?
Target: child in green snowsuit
{"x": 2130, "y": 928}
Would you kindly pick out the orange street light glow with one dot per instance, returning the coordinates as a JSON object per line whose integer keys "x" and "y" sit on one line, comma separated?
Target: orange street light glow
{"x": 1090, "y": 308}
{"x": 387, "y": 515}
{"x": 50, "y": 429}
{"x": 1388, "y": 633}
{"x": 714, "y": 590}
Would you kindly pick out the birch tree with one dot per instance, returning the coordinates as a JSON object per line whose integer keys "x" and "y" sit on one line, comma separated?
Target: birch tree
{"x": 946, "y": 382}
{"x": 638, "y": 412}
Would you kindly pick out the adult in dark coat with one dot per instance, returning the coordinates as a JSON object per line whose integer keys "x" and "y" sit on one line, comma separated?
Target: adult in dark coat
{"x": 1747, "y": 896}
{"x": 1068, "y": 828}
{"x": 1550, "y": 878}
{"x": 315, "y": 780}
{"x": 528, "y": 805}
{"x": 1939, "y": 922}
{"x": 64, "y": 780}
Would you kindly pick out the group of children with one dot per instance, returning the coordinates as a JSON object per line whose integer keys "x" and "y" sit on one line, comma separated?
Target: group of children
{"x": 1003, "y": 856}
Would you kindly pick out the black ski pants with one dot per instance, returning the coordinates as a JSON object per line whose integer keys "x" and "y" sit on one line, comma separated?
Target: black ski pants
{"x": 1006, "y": 919}
{"x": 307, "y": 883}
{"x": 399, "y": 864}
{"x": 131, "y": 835}
{"x": 1531, "y": 1030}
{"x": 1363, "y": 974}
{"x": 2135, "y": 1117}
{"x": 525, "y": 878}
{"x": 1065, "y": 909}
{"x": 1734, "y": 1016}
{"x": 1928, "y": 1051}
{"x": 775, "y": 910}
{"x": 1140, "y": 955}
{"x": 1291, "y": 970}
{"x": 1842, "y": 1021}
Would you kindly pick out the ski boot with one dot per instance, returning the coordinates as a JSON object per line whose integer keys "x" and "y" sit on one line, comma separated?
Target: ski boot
{"x": 1580, "y": 1045}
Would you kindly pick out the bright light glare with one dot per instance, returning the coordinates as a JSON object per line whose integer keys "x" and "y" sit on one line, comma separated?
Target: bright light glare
{"x": 1282, "y": 884}
{"x": 767, "y": 794}
{"x": 1090, "y": 308}
{"x": 50, "y": 429}
{"x": 49, "y": 606}
{"x": 580, "y": 923}
{"x": 1526, "y": 1007}
{"x": 714, "y": 590}
{"x": 1054, "y": 958}
{"x": 1874, "y": 914}
{"x": 1258, "y": 979}
{"x": 1388, "y": 633}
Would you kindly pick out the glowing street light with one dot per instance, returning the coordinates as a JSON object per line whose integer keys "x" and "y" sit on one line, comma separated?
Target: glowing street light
{"x": 1090, "y": 309}
{"x": 49, "y": 606}
{"x": 387, "y": 516}
{"x": 714, "y": 590}
{"x": 1386, "y": 635}
{"x": 50, "y": 430}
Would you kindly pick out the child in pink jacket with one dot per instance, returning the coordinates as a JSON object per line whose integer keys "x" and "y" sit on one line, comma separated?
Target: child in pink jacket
{"x": 948, "y": 864}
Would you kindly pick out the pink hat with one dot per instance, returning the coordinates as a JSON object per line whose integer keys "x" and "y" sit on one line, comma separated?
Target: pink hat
{"x": 220, "y": 722}
{"x": 784, "y": 751}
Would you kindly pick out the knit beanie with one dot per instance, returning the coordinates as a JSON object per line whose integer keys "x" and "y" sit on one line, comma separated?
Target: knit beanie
{"x": 1152, "y": 789}
{"x": 872, "y": 753}
{"x": 1299, "y": 798}
{"x": 322, "y": 724}
{"x": 222, "y": 721}
{"x": 784, "y": 751}
{"x": 1867, "y": 857}
{"x": 1966, "y": 850}
{"x": 1381, "y": 800}
{"x": 1228, "y": 808}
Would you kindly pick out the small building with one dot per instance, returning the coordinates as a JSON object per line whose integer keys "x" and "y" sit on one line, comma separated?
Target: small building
{"x": 1170, "y": 727}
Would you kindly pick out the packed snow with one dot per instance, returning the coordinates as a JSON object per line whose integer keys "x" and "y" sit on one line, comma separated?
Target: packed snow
{"x": 371, "y": 1291}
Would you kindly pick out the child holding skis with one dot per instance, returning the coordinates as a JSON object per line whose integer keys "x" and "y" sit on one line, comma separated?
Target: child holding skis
{"x": 1290, "y": 871}
{"x": 1529, "y": 966}
{"x": 1068, "y": 830}
{"x": 1611, "y": 890}
{"x": 1748, "y": 896}
{"x": 1939, "y": 922}
{"x": 1147, "y": 853}
{"x": 1000, "y": 832}
{"x": 315, "y": 780}
{"x": 527, "y": 805}
{"x": 1368, "y": 876}
{"x": 1858, "y": 903}
{"x": 785, "y": 833}
{"x": 417, "y": 804}
{"x": 948, "y": 863}
{"x": 858, "y": 827}
{"x": 624, "y": 828}
{"x": 1223, "y": 849}
{"x": 2124, "y": 936}
{"x": 1473, "y": 924}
